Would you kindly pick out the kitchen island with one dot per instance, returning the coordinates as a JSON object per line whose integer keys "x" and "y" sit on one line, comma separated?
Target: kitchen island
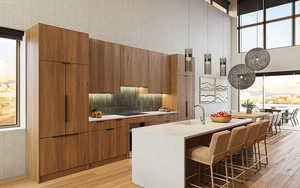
{"x": 158, "y": 152}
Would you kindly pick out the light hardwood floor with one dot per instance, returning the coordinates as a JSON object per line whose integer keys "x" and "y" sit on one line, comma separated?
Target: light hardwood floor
{"x": 282, "y": 172}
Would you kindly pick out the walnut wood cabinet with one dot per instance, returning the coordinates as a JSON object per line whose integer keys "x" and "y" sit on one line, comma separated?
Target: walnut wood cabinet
{"x": 63, "y": 99}
{"x": 182, "y": 91}
{"x": 159, "y": 73}
{"x": 155, "y": 72}
{"x": 134, "y": 67}
{"x": 108, "y": 140}
{"x": 62, "y": 45}
{"x": 63, "y": 153}
{"x": 104, "y": 67}
{"x": 165, "y": 74}
{"x": 57, "y": 97}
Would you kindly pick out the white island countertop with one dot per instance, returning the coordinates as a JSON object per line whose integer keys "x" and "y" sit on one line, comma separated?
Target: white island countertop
{"x": 191, "y": 128}
{"x": 158, "y": 152}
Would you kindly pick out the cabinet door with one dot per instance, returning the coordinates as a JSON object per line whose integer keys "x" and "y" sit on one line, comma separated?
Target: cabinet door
{"x": 182, "y": 103}
{"x": 75, "y": 151}
{"x": 75, "y": 47}
{"x": 109, "y": 143}
{"x": 190, "y": 89}
{"x": 51, "y": 155}
{"x": 62, "y": 153}
{"x": 122, "y": 138}
{"x": 103, "y": 141}
{"x": 51, "y": 99}
{"x": 95, "y": 146}
{"x": 77, "y": 98}
{"x": 134, "y": 67}
{"x": 142, "y": 62}
{"x": 50, "y": 43}
{"x": 165, "y": 74}
{"x": 181, "y": 65}
{"x": 104, "y": 67}
{"x": 155, "y": 72}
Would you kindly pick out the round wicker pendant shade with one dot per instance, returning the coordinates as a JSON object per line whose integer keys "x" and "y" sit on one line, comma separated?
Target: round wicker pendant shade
{"x": 257, "y": 59}
{"x": 241, "y": 77}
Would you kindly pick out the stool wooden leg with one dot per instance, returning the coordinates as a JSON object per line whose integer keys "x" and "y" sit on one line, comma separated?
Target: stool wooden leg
{"x": 247, "y": 164}
{"x": 259, "y": 157}
{"x": 266, "y": 152}
{"x": 255, "y": 155}
{"x": 226, "y": 170}
{"x": 232, "y": 171}
{"x": 212, "y": 176}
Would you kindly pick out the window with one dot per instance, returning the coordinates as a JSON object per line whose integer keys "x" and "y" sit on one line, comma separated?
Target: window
{"x": 297, "y": 7}
{"x": 9, "y": 81}
{"x": 276, "y": 27}
{"x": 251, "y": 18}
{"x": 298, "y": 31}
{"x": 251, "y": 32}
{"x": 275, "y": 90}
{"x": 10, "y": 41}
{"x": 279, "y": 34}
{"x": 254, "y": 93}
{"x": 279, "y": 11}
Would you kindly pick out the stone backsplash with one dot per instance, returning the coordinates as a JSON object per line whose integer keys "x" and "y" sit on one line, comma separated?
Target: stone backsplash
{"x": 129, "y": 100}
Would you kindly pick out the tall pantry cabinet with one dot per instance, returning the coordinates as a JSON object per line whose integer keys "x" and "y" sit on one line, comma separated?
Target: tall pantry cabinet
{"x": 57, "y": 101}
{"x": 182, "y": 94}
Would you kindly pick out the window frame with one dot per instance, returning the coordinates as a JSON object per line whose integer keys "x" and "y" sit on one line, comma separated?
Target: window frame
{"x": 18, "y": 59}
{"x": 265, "y": 22}
{"x": 264, "y": 75}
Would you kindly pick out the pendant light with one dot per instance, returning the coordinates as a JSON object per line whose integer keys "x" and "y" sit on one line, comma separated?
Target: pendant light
{"x": 189, "y": 50}
{"x": 240, "y": 76}
{"x": 258, "y": 58}
{"x": 223, "y": 59}
{"x": 207, "y": 56}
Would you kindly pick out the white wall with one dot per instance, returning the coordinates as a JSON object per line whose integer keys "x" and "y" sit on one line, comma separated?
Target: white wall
{"x": 282, "y": 59}
{"x": 159, "y": 25}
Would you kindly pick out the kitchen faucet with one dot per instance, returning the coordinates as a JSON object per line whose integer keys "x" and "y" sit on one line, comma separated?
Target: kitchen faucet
{"x": 203, "y": 120}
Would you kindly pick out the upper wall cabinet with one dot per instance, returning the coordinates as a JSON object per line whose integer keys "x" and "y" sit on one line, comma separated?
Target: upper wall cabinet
{"x": 134, "y": 67}
{"x": 165, "y": 74}
{"x": 155, "y": 72}
{"x": 62, "y": 45}
{"x": 159, "y": 73}
{"x": 104, "y": 67}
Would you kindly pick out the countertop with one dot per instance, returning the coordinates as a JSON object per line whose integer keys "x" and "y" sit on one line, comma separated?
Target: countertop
{"x": 191, "y": 128}
{"x": 114, "y": 117}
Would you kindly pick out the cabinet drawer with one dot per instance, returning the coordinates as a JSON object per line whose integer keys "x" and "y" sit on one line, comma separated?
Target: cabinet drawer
{"x": 102, "y": 125}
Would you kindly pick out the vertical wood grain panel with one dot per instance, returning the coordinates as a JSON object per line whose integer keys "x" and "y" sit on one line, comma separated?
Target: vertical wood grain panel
{"x": 77, "y": 98}
{"x": 52, "y": 99}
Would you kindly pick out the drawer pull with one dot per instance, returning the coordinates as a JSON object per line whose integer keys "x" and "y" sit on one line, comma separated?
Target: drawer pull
{"x": 65, "y": 135}
{"x": 109, "y": 129}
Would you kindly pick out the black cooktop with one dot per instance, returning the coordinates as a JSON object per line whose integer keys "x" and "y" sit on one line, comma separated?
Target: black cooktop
{"x": 131, "y": 113}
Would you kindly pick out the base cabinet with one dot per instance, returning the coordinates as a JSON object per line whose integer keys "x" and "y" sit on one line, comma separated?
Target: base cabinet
{"x": 109, "y": 141}
{"x": 63, "y": 153}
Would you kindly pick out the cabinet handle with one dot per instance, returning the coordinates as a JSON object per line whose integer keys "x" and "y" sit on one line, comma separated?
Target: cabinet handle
{"x": 59, "y": 136}
{"x": 109, "y": 129}
{"x": 65, "y": 135}
{"x": 73, "y": 134}
{"x": 186, "y": 109}
{"x": 66, "y": 108}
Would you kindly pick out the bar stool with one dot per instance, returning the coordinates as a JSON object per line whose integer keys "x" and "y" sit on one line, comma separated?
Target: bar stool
{"x": 251, "y": 138}
{"x": 262, "y": 136}
{"x": 235, "y": 146}
{"x": 213, "y": 154}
